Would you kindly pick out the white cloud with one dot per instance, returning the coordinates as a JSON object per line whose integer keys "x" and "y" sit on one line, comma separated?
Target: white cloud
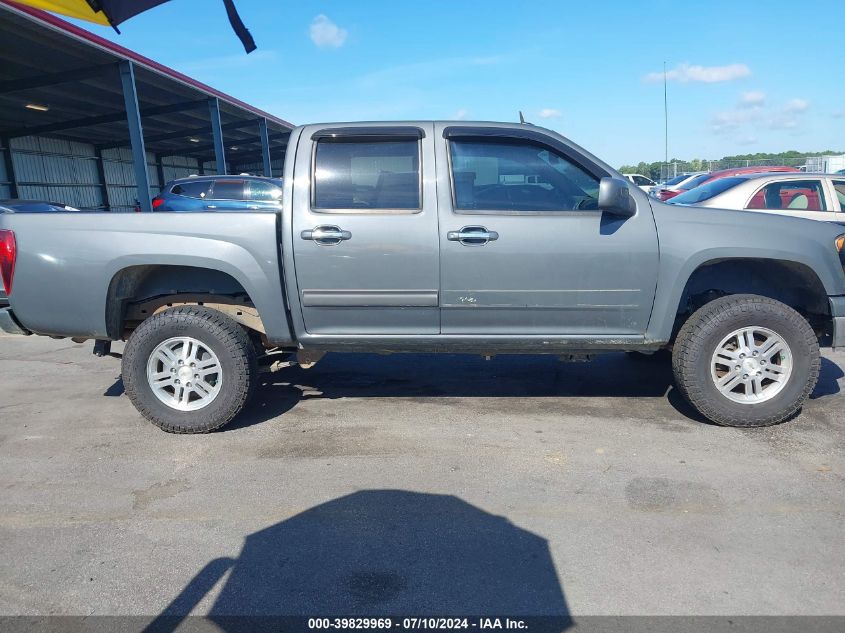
{"x": 733, "y": 119}
{"x": 752, "y": 99}
{"x": 783, "y": 122}
{"x": 797, "y": 106}
{"x": 550, "y": 113}
{"x": 460, "y": 115}
{"x": 325, "y": 33}
{"x": 751, "y": 113}
{"x": 686, "y": 73}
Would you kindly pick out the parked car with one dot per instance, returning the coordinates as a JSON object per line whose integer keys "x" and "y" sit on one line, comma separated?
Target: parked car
{"x": 641, "y": 181}
{"x": 220, "y": 193}
{"x": 672, "y": 187}
{"x": 841, "y": 172}
{"x": 733, "y": 171}
{"x": 816, "y": 196}
{"x": 454, "y": 237}
{"x": 33, "y": 206}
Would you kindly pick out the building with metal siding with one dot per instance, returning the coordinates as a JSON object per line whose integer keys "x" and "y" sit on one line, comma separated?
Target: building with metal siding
{"x": 89, "y": 123}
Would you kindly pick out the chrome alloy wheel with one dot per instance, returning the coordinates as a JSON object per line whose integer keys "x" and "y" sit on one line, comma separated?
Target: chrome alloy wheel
{"x": 751, "y": 365}
{"x": 184, "y": 373}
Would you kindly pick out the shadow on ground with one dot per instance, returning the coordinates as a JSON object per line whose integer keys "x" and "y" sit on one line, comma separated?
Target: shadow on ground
{"x": 421, "y": 376}
{"x": 378, "y": 553}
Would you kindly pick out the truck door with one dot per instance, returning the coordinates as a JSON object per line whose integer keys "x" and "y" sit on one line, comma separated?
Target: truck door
{"x": 524, "y": 249}
{"x": 365, "y": 230}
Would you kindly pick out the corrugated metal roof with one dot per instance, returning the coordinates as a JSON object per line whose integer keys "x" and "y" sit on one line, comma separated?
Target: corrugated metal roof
{"x": 35, "y": 45}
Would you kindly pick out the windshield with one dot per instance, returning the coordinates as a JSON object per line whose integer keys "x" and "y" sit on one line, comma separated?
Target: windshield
{"x": 705, "y": 192}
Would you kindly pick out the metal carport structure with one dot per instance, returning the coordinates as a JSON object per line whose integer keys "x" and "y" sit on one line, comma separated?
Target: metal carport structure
{"x": 83, "y": 116}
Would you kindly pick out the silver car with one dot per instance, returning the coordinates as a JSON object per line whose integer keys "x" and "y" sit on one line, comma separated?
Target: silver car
{"x": 816, "y": 196}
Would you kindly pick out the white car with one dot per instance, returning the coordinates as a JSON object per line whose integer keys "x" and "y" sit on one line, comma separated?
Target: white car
{"x": 641, "y": 181}
{"x": 813, "y": 196}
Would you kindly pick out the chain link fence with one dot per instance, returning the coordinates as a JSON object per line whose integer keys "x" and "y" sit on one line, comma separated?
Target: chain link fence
{"x": 813, "y": 164}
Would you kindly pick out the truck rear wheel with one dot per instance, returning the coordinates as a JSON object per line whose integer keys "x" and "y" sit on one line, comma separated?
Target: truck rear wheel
{"x": 189, "y": 369}
{"x": 746, "y": 361}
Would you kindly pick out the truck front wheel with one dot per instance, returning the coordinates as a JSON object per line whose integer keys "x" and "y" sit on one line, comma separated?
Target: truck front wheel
{"x": 189, "y": 369}
{"x": 746, "y": 361}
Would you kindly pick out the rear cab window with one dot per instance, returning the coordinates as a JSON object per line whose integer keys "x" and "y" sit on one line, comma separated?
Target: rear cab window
{"x": 705, "y": 192}
{"x": 695, "y": 182}
{"x": 191, "y": 188}
{"x": 366, "y": 174}
{"x": 674, "y": 181}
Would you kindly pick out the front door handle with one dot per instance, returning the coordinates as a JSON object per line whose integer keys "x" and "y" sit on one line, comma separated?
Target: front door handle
{"x": 472, "y": 236}
{"x": 327, "y": 235}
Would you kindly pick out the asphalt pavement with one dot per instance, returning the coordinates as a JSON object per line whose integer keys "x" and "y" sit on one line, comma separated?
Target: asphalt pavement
{"x": 415, "y": 484}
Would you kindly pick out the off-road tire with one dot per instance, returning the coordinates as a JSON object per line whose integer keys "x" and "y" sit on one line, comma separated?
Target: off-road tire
{"x": 229, "y": 342}
{"x": 707, "y": 327}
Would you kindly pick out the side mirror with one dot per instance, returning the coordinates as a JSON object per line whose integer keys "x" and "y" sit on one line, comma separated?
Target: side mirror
{"x": 614, "y": 197}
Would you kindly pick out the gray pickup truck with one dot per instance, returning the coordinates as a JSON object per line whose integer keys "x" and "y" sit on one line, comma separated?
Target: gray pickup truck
{"x": 480, "y": 238}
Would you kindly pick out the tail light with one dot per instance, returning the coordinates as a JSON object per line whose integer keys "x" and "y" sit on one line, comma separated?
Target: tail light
{"x": 157, "y": 202}
{"x": 8, "y": 254}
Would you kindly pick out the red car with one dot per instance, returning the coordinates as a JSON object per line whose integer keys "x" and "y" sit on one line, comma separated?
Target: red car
{"x": 722, "y": 173}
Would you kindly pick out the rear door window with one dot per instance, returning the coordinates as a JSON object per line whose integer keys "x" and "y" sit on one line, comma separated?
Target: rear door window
{"x": 790, "y": 195}
{"x": 365, "y": 174}
{"x": 192, "y": 188}
{"x": 228, "y": 189}
{"x": 839, "y": 189}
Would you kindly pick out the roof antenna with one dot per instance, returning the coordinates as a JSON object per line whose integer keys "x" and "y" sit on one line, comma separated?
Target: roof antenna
{"x": 521, "y": 118}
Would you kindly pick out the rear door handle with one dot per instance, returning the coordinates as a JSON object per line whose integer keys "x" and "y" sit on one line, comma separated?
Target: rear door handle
{"x": 472, "y": 236}
{"x": 326, "y": 235}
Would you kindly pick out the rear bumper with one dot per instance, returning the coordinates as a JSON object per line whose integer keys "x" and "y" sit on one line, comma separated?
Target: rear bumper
{"x": 9, "y": 325}
{"x": 837, "y": 311}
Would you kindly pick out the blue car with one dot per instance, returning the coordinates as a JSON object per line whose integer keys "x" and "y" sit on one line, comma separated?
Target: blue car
{"x": 34, "y": 206}
{"x": 220, "y": 193}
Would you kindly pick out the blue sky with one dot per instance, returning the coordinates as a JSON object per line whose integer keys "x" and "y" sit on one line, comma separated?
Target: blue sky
{"x": 744, "y": 76}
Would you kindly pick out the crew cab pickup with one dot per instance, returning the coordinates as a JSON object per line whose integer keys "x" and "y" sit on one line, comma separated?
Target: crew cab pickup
{"x": 481, "y": 238}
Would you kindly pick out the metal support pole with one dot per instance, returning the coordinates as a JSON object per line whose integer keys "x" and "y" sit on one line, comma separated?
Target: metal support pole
{"x": 101, "y": 175}
{"x": 160, "y": 172}
{"x": 136, "y": 135}
{"x": 10, "y": 168}
{"x": 265, "y": 147}
{"x": 201, "y": 167}
{"x": 217, "y": 133}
